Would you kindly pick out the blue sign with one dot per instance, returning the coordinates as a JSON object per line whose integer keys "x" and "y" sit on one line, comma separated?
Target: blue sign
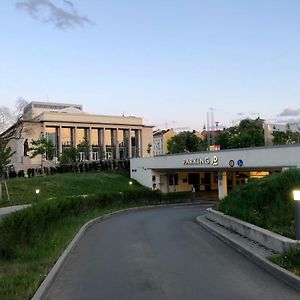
{"x": 240, "y": 163}
{"x": 231, "y": 163}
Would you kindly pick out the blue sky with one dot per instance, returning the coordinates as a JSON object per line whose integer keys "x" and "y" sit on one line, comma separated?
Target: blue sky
{"x": 168, "y": 61}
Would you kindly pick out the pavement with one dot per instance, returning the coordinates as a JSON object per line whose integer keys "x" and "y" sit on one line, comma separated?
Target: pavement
{"x": 160, "y": 253}
{"x": 7, "y": 210}
{"x": 254, "y": 251}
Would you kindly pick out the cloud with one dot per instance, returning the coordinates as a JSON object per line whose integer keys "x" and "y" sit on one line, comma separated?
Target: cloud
{"x": 289, "y": 112}
{"x": 47, "y": 11}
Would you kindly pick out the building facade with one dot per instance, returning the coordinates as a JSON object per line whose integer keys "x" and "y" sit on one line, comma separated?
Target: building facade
{"x": 66, "y": 125}
{"x": 160, "y": 141}
{"x": 218, "y": 171}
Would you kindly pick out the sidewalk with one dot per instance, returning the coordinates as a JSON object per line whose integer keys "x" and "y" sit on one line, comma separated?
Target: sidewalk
{"x": 7, "y": 210}
{"x": 252, "y": 250}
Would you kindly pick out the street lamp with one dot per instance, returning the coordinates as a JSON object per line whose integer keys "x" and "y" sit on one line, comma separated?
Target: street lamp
{"x": 297, "y": 213}
{"x": 37, "y": 195}
{"x": 130, "y": 183}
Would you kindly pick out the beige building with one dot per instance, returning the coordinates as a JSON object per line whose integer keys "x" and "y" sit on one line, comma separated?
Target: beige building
{"x": 66, "y": 125}
{"x": 160, "y": 141}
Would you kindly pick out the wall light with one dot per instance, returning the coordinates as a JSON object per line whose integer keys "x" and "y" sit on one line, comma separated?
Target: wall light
{"x": 297, "y": 213}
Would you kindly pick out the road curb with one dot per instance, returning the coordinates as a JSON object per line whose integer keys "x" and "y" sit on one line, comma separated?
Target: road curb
{"x": 45, "y": 285}
{"x": 275, "y": 270}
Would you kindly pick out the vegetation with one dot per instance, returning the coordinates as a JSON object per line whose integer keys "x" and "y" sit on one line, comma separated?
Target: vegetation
{"x": 290, "y": 260}
{"x": 185, "y": 141}
{"x": 286, "y": 137}
{"x": 5, "y": 154}
{"x": 249, "y": 133}
{"x": 266, "y": 202}
{"x": 42, "y": 147}
{"x": 85, "y": 147}
{"x": 22, "y": 190}
{"x": 69, "y": 156}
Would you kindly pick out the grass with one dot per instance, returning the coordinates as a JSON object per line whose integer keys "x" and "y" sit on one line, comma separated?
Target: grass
{"x": 22, "y": 190}
{"x": 269, "y": 203}
{"x": 266, "y": 202}
{"x": 289, "y": 260}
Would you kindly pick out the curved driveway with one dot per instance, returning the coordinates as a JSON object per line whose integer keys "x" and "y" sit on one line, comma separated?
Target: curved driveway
{"x": 160, "y": 253}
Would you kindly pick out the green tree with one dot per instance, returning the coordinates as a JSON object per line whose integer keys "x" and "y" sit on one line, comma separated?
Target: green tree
{"x": 149, "y": 147}
{"x": 185, "y": 141}
{"x": 285, "y": 137}
{"x": 85, "y": 147}
{"x": 42, "y": 147}
{"x": 69, "y": 156}
{"x": 5, "y": 154}
{"x": 249, "y": 133}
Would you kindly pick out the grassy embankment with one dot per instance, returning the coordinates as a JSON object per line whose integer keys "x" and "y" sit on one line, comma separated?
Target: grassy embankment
{"x": 31, "y": 240}
{"x": 268, "y": 203}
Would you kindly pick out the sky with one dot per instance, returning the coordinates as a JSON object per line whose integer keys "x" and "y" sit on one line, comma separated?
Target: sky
{"x": 167, "y": 61}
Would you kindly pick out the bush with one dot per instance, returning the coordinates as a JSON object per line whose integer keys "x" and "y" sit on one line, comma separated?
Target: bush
{"x": 21, "y": 173}
{"x": 266, "y": 202}
{"x": 25, "y": 227}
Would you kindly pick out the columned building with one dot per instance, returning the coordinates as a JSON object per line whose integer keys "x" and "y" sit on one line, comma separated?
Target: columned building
{"x": 66, "y": 125}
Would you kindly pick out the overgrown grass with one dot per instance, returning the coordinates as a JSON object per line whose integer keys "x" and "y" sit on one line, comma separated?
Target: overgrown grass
{"x": 289, "y": 260}
{"x": 266, "y": 202}
{"x": 31, "y": 240}
{"x": 22, "y": 190}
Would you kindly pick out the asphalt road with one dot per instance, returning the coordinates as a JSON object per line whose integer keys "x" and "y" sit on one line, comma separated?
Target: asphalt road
{"x": 161, "y": 253}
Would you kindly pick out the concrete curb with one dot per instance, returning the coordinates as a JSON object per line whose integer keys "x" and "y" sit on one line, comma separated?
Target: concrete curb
{"x": 45, "y": 285}
{"x": 255, "y": 233}
{"x": 275, "y": 270}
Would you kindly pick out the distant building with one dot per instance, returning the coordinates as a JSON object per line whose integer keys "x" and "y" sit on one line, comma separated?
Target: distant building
{"x": 160, "y": 141}
{"x": 66, "y": 125}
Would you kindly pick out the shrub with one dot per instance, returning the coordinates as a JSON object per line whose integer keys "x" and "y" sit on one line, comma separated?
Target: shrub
{"x": 265, "y": 202}
{"x": 25, "y": 227}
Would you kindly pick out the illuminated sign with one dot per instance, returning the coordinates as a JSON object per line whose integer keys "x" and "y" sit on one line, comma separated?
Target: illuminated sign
{"x": 201, "y": 161}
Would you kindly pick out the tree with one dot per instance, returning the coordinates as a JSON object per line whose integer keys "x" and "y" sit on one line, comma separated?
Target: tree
{"x": 42, "y": 147}
{"x": 69, "y": 156}
{"x": 185, "y": 141}
{"x": 8, "y": 117}
{"x": 249, "y": 133}
{"x": 285, "y": 137}
{"x": 149, "y": 147}
{"x": 85, "y": 147}
{"x": 5, "y": 154}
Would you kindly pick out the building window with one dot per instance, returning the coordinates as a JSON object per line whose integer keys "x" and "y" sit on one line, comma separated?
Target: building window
{"x": 173, "y": 179}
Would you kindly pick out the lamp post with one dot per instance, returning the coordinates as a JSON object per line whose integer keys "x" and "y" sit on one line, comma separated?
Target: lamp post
{"x": 297, "y": 213}
{"x": 130, "y": 183}
{"x": 37, "y": 195}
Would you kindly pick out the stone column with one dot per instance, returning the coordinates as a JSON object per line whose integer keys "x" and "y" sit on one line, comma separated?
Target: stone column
{"x": 222, "y": 185}
{"x": 117, "y": 144}
{"x": 104, "y": 142}
{"x": 75, "y": 137}
{"x": 59, "y": 141}
{"x": 129, "y": 144}
{"x": 138, "y": 143}
{"x": 90, "y": 142}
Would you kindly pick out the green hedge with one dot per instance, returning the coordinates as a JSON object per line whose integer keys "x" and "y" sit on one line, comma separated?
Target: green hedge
{"x": 25, "y": 227}
{"x": 266, "y": 202}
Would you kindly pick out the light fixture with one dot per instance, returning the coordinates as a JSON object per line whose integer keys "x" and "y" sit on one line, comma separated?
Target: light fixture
{"x": 297, "y": 213}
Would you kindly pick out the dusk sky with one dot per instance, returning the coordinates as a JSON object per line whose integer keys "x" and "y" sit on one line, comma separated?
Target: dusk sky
{"x": 167, "y": 61}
